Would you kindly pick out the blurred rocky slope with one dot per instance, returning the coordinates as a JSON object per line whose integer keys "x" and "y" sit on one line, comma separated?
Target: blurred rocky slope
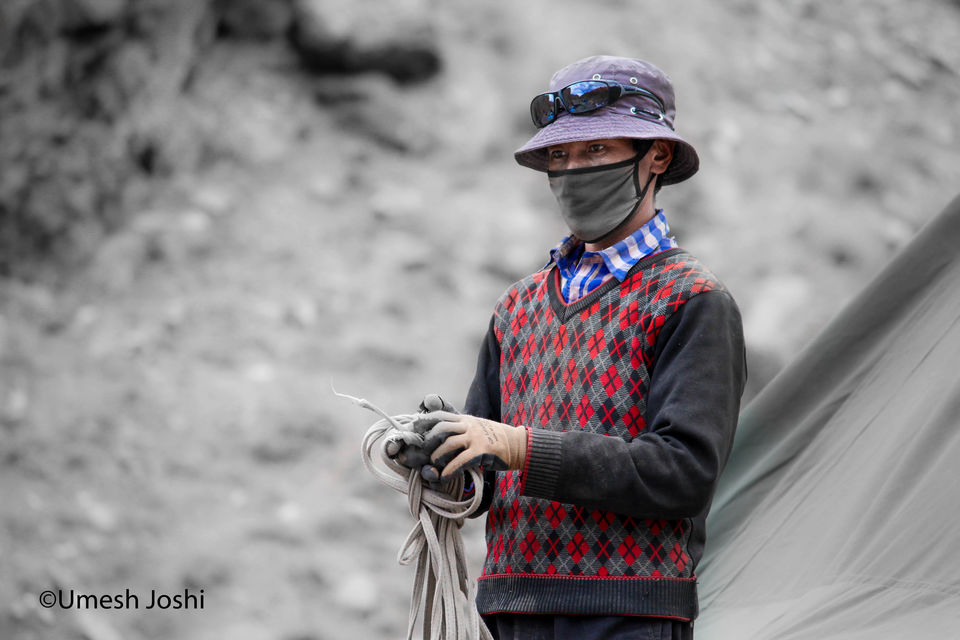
{"x": 96, "y": 101}
{"x": 210, "y": 210}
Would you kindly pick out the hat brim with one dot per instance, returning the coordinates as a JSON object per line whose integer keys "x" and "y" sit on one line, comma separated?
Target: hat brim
{"x": 598, "y": 126}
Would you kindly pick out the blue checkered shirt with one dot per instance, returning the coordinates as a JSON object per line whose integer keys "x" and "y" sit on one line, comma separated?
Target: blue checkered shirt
{"x": 583, "y": 271}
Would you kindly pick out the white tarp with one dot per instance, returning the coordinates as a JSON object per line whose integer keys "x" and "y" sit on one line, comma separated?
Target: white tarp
{"x": 838, "y": 515}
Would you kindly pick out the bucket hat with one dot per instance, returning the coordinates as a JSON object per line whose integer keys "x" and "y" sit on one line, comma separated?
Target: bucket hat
{"x": 616, "y": 120}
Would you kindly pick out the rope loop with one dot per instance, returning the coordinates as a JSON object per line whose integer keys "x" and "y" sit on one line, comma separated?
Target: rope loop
{"x": 443, "y": 597}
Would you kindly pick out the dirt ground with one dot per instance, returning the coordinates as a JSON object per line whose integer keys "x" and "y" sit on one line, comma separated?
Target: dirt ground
{"x": 167, "y": 415}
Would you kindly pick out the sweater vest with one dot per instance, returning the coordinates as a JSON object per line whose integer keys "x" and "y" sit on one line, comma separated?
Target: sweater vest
{"x": 586, "y": 365}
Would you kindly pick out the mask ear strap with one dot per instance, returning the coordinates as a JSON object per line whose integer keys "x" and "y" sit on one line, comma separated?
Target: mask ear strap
{"x": 642, "y": 193}
{"x": 643, "y": 148}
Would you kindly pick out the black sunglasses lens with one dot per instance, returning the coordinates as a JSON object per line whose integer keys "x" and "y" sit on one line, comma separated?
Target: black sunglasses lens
{"x": 581, "y": 97}
{"x": 543, "y": 109}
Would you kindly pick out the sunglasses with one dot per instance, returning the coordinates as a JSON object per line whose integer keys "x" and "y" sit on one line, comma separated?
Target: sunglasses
{"x": 586, "y": 96}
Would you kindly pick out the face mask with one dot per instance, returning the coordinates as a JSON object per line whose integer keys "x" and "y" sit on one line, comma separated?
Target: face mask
{"x": 596, "y": 201}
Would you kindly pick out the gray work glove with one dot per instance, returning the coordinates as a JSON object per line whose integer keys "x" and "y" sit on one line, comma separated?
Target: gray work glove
{"x": 468, "y": 441}
{"x": 409, "y": 447}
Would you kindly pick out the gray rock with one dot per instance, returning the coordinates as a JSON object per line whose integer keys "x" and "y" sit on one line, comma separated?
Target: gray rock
{"x": 341, "y": 36}
{"x": 253, "y": 19}
{"x": 85, "y": 15}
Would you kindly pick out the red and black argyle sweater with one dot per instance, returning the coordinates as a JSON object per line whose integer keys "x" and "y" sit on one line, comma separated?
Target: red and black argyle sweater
{"x": 585, "y": 368}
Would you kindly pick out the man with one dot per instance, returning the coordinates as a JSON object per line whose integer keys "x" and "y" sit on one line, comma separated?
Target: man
{"x": 608, "y": 386}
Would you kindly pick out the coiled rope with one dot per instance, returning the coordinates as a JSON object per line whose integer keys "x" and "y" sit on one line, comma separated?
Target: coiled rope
{"x": 442, "y": 592}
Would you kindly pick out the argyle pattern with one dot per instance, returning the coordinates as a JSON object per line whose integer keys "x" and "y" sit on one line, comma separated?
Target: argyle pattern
{"x": 585, "y": 366}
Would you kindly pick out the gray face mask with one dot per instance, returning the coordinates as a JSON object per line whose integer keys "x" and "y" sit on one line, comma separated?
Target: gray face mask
{"x": 597, "y": 201}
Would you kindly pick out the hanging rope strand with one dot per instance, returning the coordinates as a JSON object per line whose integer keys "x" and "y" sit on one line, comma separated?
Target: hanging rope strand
{"x": 443, "y": 596}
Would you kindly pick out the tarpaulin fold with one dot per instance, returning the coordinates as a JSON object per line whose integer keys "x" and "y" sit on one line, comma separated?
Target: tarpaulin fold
{"x": 838, "y": 515}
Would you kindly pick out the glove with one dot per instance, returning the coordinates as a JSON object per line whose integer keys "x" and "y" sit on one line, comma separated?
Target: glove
{"x": 408, "y": 447}
{"x": 459, "y": 441}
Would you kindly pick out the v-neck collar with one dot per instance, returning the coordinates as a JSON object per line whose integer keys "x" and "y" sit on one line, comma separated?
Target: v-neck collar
{"x": 565, "y": 310}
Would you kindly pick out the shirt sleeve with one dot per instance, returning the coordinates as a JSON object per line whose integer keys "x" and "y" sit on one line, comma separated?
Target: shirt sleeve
{"x": 671, "y": 469}
{"x": 483, "y": 400}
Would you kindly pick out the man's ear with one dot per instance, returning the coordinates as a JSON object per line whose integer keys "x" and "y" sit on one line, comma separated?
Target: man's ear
{"x": 661, "y": 154}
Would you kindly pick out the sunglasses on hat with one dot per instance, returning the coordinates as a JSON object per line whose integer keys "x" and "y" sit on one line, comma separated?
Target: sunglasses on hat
{"x": 586, "y": 96}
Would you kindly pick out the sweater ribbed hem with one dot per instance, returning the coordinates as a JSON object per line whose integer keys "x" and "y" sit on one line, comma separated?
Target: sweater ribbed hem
{"x": 573, "y": 595}
{"x": 543, "y": 463}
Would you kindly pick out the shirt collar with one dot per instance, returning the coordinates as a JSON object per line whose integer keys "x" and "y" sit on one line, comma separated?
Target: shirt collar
{"x": 619, "y": 258}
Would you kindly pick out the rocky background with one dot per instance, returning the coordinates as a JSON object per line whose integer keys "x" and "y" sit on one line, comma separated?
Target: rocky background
{"x": 213, "y": 210}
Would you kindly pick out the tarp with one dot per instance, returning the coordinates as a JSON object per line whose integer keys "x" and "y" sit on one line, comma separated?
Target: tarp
{"x": 838, "y": 515}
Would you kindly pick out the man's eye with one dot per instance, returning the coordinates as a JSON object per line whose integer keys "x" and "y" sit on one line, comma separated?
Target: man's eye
{"x": 596, "y": 148}
{"x": 557, "y": 155}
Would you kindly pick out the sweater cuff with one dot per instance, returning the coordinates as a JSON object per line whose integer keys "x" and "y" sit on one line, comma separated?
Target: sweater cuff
{"x": 543, "y": 464}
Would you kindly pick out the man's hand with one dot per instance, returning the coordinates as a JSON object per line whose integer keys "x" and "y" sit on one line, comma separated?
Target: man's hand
{"x": 459, "y": 441}
{"x": 408, "y": 447}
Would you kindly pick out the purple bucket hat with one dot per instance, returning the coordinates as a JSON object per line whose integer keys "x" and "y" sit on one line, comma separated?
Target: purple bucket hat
{"x": 615, "y": 120}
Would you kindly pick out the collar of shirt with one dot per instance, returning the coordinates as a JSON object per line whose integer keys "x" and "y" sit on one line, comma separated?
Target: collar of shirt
{"x": 582, "y": 271}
